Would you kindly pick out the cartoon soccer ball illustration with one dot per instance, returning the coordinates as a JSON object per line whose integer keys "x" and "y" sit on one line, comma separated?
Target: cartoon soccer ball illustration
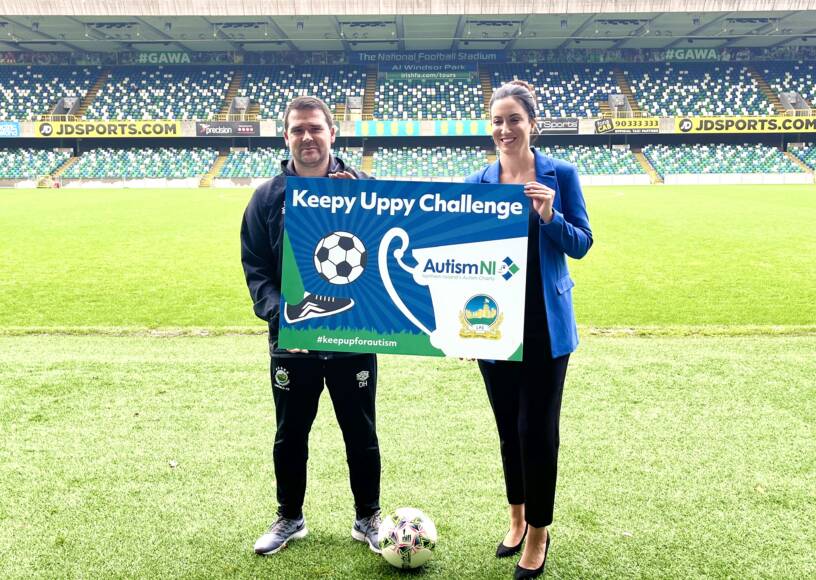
{"x": 407, "y": 538}
{"x": 340, "y": 258}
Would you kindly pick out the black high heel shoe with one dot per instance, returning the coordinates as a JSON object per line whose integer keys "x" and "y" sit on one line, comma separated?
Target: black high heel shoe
{"x": 505, "y": 551}
{"x": 521, "y": 573}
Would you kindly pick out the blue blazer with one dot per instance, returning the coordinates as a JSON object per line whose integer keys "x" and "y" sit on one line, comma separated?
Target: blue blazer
{"x": 567, "y": 234}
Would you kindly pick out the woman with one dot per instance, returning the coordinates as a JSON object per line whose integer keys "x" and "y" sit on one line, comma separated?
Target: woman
{"x": 526, "y": 396}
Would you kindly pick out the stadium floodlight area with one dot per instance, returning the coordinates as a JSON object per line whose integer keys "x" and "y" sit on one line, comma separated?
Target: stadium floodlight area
{"x": 161, "y": 93}
{"x": 273, "y": 87}
{"x": 429, "y": 98}
{"x": 563, "y": 90}
{"x": 26, "y": 92}
{"x": 669, "y": 89}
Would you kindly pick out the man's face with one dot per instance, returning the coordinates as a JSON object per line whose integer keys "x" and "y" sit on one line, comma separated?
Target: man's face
{"x": 309, "y": 138}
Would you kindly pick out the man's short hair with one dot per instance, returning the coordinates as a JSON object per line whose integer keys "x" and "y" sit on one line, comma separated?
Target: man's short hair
{"x": 307, "y": 103}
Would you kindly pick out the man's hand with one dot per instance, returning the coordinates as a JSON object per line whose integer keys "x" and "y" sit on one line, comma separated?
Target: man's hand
{"x": 341, "y": 175}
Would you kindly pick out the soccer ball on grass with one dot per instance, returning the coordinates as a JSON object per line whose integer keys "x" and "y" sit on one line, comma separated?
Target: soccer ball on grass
{"x": 407, "y": 538}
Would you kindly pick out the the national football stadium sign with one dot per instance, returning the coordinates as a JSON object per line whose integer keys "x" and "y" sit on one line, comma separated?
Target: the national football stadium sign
{"x": 398, "y": 267}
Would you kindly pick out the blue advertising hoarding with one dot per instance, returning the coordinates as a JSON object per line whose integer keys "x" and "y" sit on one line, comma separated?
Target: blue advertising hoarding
{"x": 9, "y": 129}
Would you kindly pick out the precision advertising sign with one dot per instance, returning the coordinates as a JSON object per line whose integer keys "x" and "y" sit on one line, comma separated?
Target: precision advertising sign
{"x": 435, "y": 269}
{"x": 228, "y": 129}
{"x": 106, "y": 129}
{"x": 777, "y": 124}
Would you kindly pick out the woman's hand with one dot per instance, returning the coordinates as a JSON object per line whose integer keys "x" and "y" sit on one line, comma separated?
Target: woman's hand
{"x": 542, "y": 198}
{"x": 341, "y": 175}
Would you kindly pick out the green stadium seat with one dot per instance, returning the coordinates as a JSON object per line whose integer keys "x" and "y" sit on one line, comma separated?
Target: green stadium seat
{"x": 161, "y": 93}
{"x": 30, "y": 163}
{"x": 718, "y": 158}
{"x": 419, "y": 162}
{"x": 669, "y": 89}
{"x": 563, "y": 90}
{"x": 27, "y": 92}
{"x": 142, "y": 163}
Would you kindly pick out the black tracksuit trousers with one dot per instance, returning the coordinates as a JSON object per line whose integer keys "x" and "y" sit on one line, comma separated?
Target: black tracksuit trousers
{"x": 297, "y": 382}
{"x": 526, "y": 401}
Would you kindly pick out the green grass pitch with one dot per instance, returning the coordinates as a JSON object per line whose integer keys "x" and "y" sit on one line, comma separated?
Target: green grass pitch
{"x": 158, "y": 258}
{"x": 133, "y": 446}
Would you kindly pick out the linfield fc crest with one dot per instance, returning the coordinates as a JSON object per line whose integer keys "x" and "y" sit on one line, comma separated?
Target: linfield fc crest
{"x": 282, "y": 378}
{"x": 480, "y": 318}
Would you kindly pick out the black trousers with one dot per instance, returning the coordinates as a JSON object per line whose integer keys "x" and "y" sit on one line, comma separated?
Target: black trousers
{"x": 526, "y": 401}
{"x": 297, "y": 383}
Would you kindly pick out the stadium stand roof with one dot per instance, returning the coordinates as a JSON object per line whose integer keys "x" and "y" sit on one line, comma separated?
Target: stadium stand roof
{"x": 337, "y": 25}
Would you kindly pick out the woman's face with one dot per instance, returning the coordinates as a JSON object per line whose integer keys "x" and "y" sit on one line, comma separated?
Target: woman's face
{"x": 511, "y": 126}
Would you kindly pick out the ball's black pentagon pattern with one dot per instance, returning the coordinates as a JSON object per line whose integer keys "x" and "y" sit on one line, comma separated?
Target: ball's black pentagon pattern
{"x": 344, "y": 269}
{"x": 347, "y": 243}
{"x": 340, "y": 258}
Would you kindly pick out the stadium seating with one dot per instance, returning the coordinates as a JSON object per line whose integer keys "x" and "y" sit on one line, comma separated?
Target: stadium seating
{"x": 668, "y": 89}
{"x": 806, "y": 155}
{"x": 273, "y": 87}
{"x": 30, "y": 163}
{"x": 161, "y": 93}
{"x": 428, "y": 161}
{"x": 29, "y": 91}
{"x": 719, "y": 158}
{"x": 136, "y": 163}
{"x": 458, "y": 98}
{"x": 791, "y": 76}
{"x": 265, "y": 161}
{"x": 564, "y": 90}
{"x": 597, "y": 160}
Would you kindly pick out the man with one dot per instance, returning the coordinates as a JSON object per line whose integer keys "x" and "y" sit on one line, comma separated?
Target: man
{"x": 298, "y": 375}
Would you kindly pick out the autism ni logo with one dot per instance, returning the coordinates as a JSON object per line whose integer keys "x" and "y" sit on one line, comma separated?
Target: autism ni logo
{"x": 508, "y": 268}
{"x": 485, "y": 268}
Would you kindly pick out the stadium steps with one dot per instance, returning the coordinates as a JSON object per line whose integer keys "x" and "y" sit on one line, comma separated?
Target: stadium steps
{"x": 91, "y": 94}
{"x": 254, "y": 111}
{"x": 626, "y": 90}
{"x": 654, "y": 176}
{"x": 370, "y": 93}
{"x": 799, "y": 163}
{"x": 367, "y": 163}
{"x": 766, "y": 90}
{"x": 487, "y": 89}
{"x": 491, "y": 156}
{"x": 604, "y": 108}
{"x": 232, "y": 91}
{"x": 339, "y": 112}
{"x": 46, "y": 181}
{"x": 207, "y": 180}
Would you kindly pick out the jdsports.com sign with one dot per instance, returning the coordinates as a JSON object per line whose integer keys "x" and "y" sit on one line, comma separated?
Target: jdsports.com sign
{"x": 745, "y": 124}
{"x": 106, "y": 129}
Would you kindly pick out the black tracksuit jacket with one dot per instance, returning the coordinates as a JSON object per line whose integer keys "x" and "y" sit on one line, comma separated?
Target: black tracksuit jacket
{"x": 262, "y": 247}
